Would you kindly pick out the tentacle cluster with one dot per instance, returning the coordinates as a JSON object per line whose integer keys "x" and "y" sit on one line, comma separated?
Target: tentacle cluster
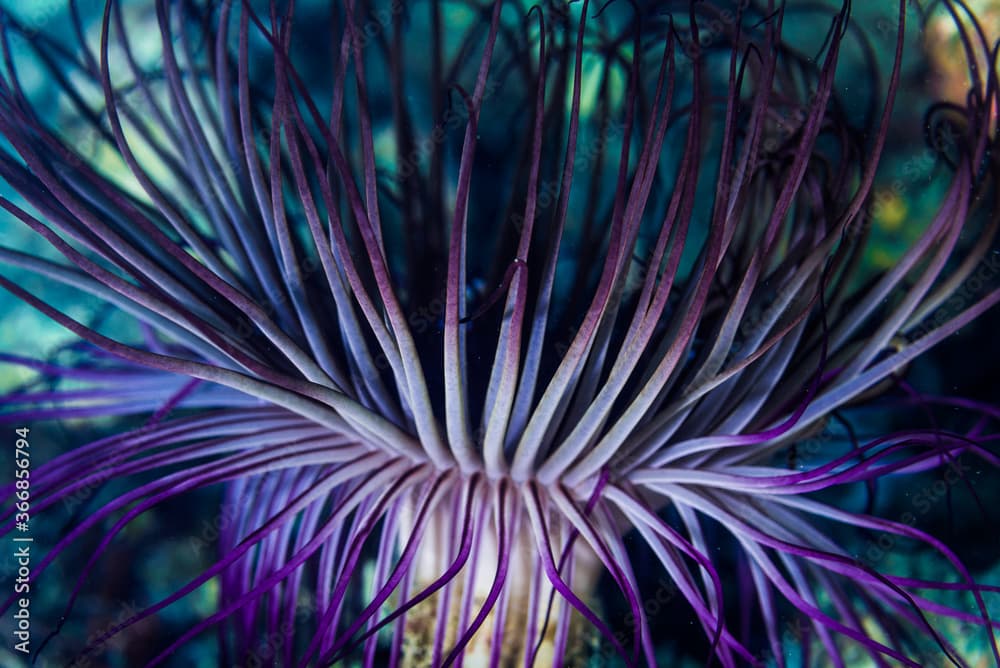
{"x": 448, "y": 320}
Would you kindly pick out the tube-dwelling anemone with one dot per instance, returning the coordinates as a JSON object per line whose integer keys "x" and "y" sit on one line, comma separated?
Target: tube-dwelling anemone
{"x": 473, "y": 309}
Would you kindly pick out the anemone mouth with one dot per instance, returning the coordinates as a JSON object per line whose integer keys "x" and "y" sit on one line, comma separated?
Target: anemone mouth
{"x": 453, "y": 323}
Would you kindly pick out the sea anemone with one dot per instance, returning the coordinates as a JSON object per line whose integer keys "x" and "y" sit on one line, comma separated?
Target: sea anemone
{"x": 484, "y": 316}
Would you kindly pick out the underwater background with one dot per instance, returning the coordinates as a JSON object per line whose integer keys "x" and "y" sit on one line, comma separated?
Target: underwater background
{"x": 173, "y": 542}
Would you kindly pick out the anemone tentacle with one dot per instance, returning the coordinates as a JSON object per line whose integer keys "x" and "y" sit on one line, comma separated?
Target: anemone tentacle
{"x": 450, "y": 324}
